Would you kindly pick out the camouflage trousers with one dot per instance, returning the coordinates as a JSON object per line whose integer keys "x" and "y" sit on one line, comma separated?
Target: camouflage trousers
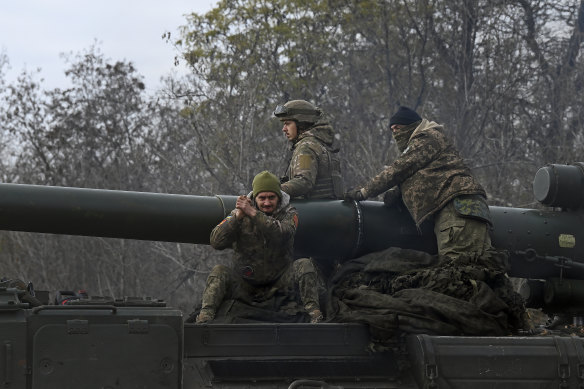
{"x": 299, "y": 279}
{"x": 460, "y": 236}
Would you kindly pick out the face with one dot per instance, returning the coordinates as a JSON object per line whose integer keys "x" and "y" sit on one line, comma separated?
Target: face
{"x": 267, "y": 202}
{"x": 290, "y": 129}
{"x": 396, "y": 127}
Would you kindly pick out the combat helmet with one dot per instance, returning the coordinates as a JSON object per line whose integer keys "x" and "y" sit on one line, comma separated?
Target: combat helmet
{"x": 299, "y": 110}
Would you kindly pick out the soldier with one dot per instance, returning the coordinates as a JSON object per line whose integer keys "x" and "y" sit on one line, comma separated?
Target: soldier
{"x": 261, "y": 230}
{"x": 433, "y": 181}
{"x": 314, "y": 170}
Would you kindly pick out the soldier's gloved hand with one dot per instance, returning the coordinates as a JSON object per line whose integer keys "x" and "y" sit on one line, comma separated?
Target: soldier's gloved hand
{"x": 391, "y": 197}
{"x": 284, "y": 179}
{"x": 354, "y": 194}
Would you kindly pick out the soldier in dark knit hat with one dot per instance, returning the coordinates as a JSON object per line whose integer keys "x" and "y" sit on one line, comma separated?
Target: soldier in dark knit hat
{"x": 261, "y": 231}
{"x": 435, "y": 184}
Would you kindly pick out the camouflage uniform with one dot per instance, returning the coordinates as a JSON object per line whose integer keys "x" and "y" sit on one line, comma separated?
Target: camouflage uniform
{"x": 315, "y": 170}
{"x": 431, "y": 177}
{"x": 264, "y": 259}
{"x": 469, "y": 235}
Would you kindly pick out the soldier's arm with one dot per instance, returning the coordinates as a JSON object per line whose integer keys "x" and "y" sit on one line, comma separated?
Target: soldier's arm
{"x": 277, "y": 230}
{"x": 305, "y": 168}
{"x": 225, "y": 233}
{"x": 419, "y": 153}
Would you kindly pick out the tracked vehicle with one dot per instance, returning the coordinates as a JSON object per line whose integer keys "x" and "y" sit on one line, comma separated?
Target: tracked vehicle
{"x": 133, "y": 343}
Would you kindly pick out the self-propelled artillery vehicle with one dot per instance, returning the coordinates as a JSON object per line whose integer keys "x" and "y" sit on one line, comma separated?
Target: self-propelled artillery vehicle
{"x": 144, "y": 344}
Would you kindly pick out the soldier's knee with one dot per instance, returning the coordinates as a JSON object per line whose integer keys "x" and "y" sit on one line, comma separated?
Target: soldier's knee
{"x": 219, "y": 271}
{"x": 217, "y": 284}
{"x": 303, "y": 266}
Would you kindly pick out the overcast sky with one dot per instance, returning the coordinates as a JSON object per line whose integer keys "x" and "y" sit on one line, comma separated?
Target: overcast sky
{"x": 33, "y": 33}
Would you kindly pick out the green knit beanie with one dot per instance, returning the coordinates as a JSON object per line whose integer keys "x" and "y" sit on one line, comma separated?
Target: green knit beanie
{"x": 266, "y": 182}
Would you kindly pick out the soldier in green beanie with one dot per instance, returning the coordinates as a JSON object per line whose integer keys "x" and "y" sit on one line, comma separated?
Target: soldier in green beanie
{"x": 261, "y": 231}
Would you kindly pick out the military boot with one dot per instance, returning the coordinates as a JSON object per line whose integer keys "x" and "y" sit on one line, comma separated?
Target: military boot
{"x": 215, "y": 290}
{"x": 206, "y": 314}
{"x": 308, "y": 287}
{"x": 315, "y": 316}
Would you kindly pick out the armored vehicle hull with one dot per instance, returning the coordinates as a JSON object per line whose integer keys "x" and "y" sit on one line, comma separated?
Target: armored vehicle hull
{"x": 148, "y": 347}
{"x": 137, "y": 344}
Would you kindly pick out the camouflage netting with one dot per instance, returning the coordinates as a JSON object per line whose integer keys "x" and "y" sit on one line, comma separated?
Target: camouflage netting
{"x": 397, "y": 290}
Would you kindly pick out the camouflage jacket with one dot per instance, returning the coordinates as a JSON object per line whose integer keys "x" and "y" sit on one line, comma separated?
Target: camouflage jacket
{"x": 429, "y": 173}
{"x": 263, "y": 244}
{"x": 315, "y": 169}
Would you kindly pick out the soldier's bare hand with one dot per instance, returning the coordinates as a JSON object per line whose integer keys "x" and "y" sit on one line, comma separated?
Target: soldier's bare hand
{"x": 241, "y": 202}
{"x": 244, "y": 204}
{"x": 238, "y": 204}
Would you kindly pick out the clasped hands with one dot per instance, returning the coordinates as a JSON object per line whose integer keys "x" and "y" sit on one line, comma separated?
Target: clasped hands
{"x": 244, "y": 207}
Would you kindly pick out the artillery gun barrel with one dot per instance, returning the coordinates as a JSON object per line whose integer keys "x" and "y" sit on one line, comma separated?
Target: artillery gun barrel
{"x": 327, "y": 228}
{"x": 110, "y": 213}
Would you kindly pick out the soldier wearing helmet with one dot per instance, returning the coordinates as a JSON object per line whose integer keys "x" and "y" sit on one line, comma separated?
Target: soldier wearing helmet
{"x": 314, "y": 170}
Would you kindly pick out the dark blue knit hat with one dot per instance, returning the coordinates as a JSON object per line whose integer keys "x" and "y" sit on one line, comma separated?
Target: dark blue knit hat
{"x": 405, "y": 116}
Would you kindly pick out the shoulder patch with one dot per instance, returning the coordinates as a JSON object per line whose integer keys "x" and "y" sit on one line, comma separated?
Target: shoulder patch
{"x": 295, "y": 219}
{"x": 226, "y": 219}
{"x": 304, "y": 162}
{"x": 472, "y": 206}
